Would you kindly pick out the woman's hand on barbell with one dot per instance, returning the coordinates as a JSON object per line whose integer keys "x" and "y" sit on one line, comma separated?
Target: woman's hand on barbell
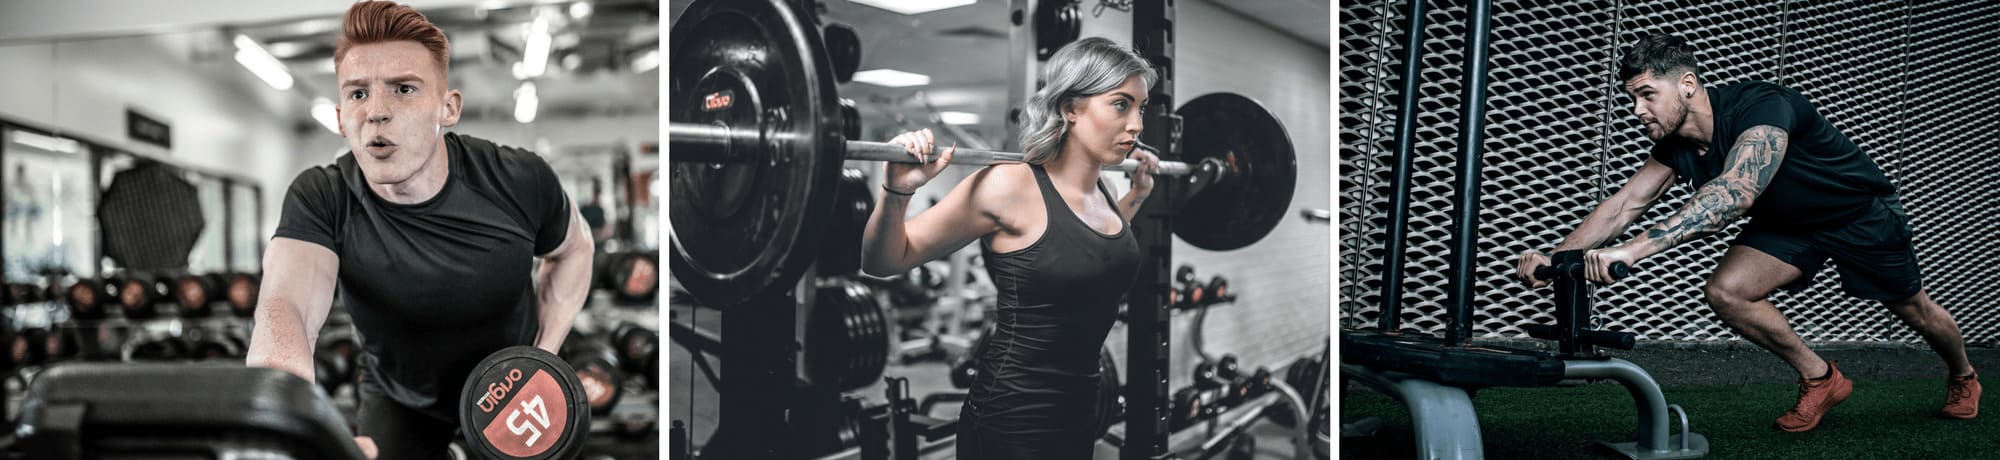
{"x": 907, "y": 177}
{"x": 1142, "y": 177}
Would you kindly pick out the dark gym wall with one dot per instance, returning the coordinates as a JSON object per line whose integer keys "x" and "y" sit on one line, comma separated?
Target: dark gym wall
{"x": 1902, "y": 79}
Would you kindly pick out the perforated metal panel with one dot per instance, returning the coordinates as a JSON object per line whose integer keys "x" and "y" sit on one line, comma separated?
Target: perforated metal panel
{"x": 1901, "y": 79}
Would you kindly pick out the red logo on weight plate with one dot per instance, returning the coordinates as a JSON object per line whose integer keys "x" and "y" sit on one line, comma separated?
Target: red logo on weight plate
{"x": 532, "y": 420}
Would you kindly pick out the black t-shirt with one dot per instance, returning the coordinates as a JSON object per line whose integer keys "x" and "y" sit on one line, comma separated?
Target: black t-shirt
{"x": 1824, "y": 181}
{"x": 435, "y": 287}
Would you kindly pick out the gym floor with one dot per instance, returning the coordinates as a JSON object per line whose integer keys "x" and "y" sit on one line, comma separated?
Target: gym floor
{"x": 1732, "y": 393}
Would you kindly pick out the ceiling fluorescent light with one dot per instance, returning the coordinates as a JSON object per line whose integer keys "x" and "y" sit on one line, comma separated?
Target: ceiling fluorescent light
{"x": 525, "y": 102}
{"x": 646, "y": 61}
{"x": 891, "y": 78}
{"x": 958, "y": 118}
{"x": 52, "y": 144}
{"x": 579, "y": 10}
{"x": 322, "y": 111}
{"x": 535, "y": 55}
{"x": 260, "y": 63}
{"x": 914, "y": 6}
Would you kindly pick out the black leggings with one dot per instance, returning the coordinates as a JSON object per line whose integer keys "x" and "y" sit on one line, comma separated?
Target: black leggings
{"x": 401, "y": 432}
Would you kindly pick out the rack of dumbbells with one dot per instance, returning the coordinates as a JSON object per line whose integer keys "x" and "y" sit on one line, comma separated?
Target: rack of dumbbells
{"x": 613, "y": 346}
{"x": 130, "y": 292}
{"x": 1211, "y": 416}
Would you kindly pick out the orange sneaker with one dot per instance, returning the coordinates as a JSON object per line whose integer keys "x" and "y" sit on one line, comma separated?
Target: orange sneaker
{"x": 1961, "y": 397}
{"x": 1816, "y": 398}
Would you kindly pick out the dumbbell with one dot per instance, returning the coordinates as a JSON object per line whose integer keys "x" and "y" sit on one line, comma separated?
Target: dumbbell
{"x": 137, "y": 294}
{"x": 1204, "y": 376}
{"x": 154, "y": 348}
{"x": 1257, "y": 383}
{"x": 240, "y": 290}
{"x": 523, "y": 402}
{"x": 28, "y": 347}
{"x": 210, "y": 344}
{"x": 1189, "y": 405}
{"x": 1218, "y": 290}
{"x": 630, "y": 276}
{"x": 194, "y": 295}
{"x": 334, "y": 362}
{"x": 634, "y": 345}
{"x": 597, "y": 367}
{"x": 20, "y": 293}
{"x": 62, "y": 344}
{"x": 1212, "y": 375}
{"x": 100, "y": 341}
{"x": 1229, "y": 381}
{"x": 87, "y": 299}
{"x": 1300, "y": 377}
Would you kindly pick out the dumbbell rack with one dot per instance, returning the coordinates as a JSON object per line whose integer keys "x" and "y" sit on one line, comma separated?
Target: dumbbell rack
{"x": 638, "y": 408}
{"x": 108, "y": 333}
{"x": 1230, "y": 409}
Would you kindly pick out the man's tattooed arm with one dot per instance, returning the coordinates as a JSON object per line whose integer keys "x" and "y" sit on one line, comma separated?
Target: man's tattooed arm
{"x": 1752, "y": 161}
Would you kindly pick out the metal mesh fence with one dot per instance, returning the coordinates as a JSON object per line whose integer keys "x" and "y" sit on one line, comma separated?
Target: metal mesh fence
{"x": 1901, "y": 79}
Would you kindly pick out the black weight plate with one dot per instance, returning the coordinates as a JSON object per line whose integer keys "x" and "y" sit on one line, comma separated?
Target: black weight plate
{"x": 843, "y": 48}
{"x": 852, "y": 116}
{"x": 752, "y": 225}
{"x": 847, "y": 338}
{"x": 854, "y": 202}
{"x": 523, "y": 403}
{"x": 1246, "y": 206}
{"x": 1056, "y": 24}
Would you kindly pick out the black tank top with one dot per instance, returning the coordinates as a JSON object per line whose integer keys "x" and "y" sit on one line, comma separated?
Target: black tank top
{"x": 1057, "y": 300}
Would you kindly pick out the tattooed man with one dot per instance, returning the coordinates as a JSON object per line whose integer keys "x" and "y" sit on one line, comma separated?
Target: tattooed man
{"x": 1761, "y": 150}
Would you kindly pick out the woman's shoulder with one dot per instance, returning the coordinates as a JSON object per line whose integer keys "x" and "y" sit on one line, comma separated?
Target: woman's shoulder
{"x": 1000, "y": 187}
{"x": 1010, "y": 179}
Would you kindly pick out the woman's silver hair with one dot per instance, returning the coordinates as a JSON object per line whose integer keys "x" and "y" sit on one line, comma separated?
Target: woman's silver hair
{"x": 1085, "y": 68}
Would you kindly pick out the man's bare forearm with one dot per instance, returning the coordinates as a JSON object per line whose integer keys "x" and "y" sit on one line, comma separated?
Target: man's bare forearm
{"x": 565, "y": 286}
{"x": 1753, "y": 161}
{"x": 1714, "y": 206}
{"x": 281, "y": 340}
{"x": 1610, "y": 219}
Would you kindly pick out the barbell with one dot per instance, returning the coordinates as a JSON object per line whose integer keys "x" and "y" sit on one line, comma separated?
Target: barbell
{"x": 758, "y": 138}
{"x": 724, "y": 144}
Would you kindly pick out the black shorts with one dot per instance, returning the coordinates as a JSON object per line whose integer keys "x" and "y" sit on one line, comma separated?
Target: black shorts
{"x": 1873, "y": 254}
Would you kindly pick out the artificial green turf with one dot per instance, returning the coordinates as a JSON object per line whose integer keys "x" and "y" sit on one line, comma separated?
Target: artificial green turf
{"x": 1882, "y": 419}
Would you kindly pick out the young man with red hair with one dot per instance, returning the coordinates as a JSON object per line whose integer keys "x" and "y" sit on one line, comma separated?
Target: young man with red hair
{"x": 431, "y": 238}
